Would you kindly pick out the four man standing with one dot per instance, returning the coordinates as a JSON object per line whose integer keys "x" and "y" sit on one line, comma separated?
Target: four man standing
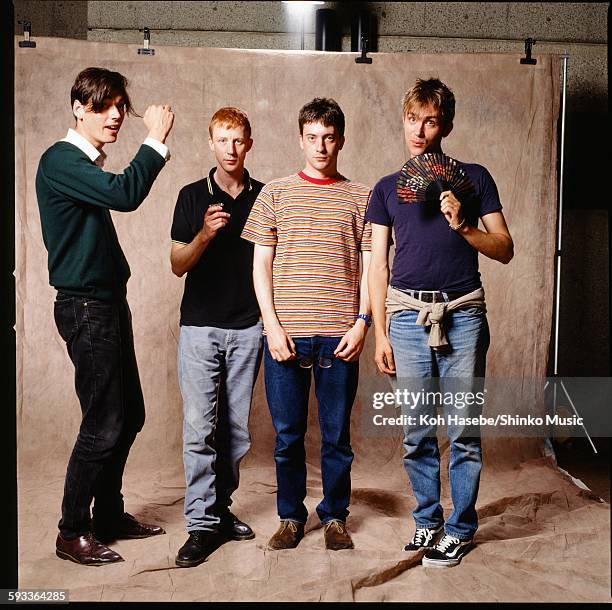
{"x": 297, "y": 253}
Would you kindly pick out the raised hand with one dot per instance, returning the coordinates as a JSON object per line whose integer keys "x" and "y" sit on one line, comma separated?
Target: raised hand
{"x": 451, "y": 208}
{"x": 214, "y": 219}
{"x": 159, "y": 121}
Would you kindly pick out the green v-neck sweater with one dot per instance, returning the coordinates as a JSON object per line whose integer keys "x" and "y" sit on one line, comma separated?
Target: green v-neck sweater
{"x": 75, "y": 197}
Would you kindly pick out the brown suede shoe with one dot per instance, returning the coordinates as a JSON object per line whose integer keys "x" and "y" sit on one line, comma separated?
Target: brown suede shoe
{"x": 85, "y": 550}
{"x": 128, "y": 527}
{"x": 287, "y": 536}
{"x": 337, "y": 536}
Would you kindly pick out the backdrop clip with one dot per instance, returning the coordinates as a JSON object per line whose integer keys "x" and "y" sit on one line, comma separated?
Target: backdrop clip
{"x": 145, "y": 49}
{"x": 27, "y": 30}
{"x": 529, "y": 42}
{"x": 364, "y": 59}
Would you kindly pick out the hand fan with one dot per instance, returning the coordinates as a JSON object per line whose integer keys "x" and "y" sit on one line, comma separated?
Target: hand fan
{"x": 425, "y": 176}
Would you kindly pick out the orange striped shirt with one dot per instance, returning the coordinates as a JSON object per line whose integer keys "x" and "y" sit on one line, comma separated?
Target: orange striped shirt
{"x": 318, "y": 228}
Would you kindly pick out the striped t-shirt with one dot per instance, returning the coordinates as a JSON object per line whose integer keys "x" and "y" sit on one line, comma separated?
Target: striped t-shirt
{"x": 318, "y": 228}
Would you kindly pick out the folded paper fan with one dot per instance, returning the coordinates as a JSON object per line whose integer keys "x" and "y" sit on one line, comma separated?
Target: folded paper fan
{"x": 425, "y": 176}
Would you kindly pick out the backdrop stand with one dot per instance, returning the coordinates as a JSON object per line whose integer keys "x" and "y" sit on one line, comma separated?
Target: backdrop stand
{"x": 557, "y": 382}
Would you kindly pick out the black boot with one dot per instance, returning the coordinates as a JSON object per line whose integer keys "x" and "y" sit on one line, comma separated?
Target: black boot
{"x": 234, "y": 529}
{"x": 198, "y": 547}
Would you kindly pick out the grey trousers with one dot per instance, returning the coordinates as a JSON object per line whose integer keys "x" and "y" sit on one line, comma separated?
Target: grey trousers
{"x": 217, "y": 370}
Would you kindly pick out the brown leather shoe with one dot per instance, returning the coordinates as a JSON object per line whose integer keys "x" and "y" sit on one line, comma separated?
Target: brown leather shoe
{"x": 287, "y": 536}
{"x": 337, "y": 536}
{"x": 128, "y": 527}
{"x": 85, "y": 550}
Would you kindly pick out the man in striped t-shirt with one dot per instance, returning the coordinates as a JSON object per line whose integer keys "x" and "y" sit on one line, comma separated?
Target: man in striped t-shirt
{"x": 309, "y": 232}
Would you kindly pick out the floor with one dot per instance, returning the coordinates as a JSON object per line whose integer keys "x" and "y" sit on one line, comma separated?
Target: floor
{"x": 577, "y": 457}
{"x": 527, "y": 510}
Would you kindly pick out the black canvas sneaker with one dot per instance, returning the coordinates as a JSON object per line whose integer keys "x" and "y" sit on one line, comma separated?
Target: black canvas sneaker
{"x": 424, "y": 538}
{"x": 447, "y": 553}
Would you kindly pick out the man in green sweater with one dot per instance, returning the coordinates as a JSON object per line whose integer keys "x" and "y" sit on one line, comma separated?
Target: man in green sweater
{"x": 90, "y": 272}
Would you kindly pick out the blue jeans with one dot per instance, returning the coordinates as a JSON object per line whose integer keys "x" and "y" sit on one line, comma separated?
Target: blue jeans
{"x": 287, "y": 391}
{"x": 100, "y": 343}
{"x": 468, "y": 335}
{"x": 217, "y": 371}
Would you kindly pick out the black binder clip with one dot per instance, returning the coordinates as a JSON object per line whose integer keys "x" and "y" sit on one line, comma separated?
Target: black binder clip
{"x": 363, "y": 58}
{"x": 27, "y": 30}
{"x": 145, "y": 49}
{"x": 529, "y": 42}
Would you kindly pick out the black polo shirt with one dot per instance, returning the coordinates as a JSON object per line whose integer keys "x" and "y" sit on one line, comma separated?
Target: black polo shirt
{"x": 219, "y": 288}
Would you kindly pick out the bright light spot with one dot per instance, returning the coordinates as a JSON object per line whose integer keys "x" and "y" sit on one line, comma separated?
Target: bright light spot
{"x": 298, "y": 7}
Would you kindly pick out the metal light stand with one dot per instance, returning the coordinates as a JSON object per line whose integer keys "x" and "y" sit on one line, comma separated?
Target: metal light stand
{"x": 559, "y": 382}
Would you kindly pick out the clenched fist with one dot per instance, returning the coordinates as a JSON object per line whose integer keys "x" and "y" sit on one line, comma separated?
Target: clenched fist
{"x": 214, "y": 219}
{"x": 451, "y": 208}
{"x": 159, "y": 120}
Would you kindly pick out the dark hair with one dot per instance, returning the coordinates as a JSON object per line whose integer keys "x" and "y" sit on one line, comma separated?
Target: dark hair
{"x": 95, "y": 85}
{"x": 322, "y": 110}
{"x": 431, "y": 92}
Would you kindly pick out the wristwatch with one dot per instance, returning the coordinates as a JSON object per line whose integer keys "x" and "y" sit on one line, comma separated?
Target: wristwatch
{"x": 366, "y": 318}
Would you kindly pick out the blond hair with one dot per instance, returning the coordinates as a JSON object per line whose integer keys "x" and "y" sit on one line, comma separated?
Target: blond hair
{"x": 430, "y": 92}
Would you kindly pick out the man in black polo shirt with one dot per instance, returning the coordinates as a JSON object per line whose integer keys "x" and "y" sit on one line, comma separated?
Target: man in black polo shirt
{"x": 221, "y": 335}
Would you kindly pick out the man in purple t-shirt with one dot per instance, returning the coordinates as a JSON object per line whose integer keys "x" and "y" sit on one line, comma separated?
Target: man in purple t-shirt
{"x": 437, "y": 322}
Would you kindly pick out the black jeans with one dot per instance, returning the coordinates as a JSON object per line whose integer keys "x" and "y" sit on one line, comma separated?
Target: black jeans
{"x": 100, "y": 343}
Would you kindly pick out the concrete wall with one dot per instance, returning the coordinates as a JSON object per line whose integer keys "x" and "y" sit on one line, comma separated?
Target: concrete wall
{"x": 60, "y": 19}
{"x": 580, "y": 29}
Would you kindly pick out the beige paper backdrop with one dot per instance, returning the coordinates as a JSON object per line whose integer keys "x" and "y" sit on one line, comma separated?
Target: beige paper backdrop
{"x": 506, "y": 120}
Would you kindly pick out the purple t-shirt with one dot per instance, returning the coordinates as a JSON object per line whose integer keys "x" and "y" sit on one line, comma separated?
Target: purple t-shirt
{"x": 429, "y": 255}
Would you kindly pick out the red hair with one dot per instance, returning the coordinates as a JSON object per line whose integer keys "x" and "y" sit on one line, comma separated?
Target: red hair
{"x": 230, "y": 117}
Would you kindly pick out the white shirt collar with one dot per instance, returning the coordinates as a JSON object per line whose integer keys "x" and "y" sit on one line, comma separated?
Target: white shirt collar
{"x": 97, "y": 156}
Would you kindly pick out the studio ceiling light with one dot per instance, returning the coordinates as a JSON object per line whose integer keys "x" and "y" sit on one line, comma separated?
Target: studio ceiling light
{"x": 298, "y": 8}
{"x": 300, "y": 5}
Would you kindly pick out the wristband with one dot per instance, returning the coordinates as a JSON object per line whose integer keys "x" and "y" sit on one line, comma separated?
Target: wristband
{"x": 366, "y": 318}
